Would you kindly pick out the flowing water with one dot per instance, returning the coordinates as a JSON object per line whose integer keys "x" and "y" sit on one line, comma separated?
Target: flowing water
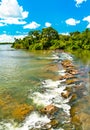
{"x": 29, "y": 83}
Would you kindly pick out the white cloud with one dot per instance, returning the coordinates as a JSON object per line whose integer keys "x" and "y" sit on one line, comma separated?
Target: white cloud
{"x": 88, "y": 20}
{"x": 11, "y": 11}
{"x": 67, "y": 33}
{"x": 10, "y": 38}
{"x": 32, "y": 25}
{"x": 6, "y": 38}
{"x": 72, "y": 21}
{"x": 47, "y": 24}
{"x": 19, "y": 36}
{"x": 78, "y": 2}
{"x": 12, "y": 21}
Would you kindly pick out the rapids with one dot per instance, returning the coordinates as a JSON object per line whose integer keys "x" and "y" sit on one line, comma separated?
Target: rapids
{"x": 44, "y": 91}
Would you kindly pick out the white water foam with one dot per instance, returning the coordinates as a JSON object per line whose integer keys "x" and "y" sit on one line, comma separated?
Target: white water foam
{"x": 51, "y": 84}
{"x": 52, "y": 95}
{"x": 62, "y": 72}
{"x": 59, "y": 56}
{"x": 33, "y": 121}
{"x": 64, "y": 56}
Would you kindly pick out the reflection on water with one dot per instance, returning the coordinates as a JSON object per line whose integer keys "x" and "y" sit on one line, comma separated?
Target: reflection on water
{"x": 83, "y": 59}
{"x": 83, "y": 55}
{"x": 21, "y": 74}
{"x": 18, "y": 66}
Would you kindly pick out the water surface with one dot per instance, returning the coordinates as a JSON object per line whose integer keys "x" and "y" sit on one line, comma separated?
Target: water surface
{"x": 21, "y": 75}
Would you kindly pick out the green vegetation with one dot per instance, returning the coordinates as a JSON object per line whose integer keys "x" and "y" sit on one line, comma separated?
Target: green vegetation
{"x": 50, "y": 39}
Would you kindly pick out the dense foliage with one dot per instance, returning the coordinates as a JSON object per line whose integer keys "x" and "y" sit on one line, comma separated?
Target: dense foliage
{"x": 49, "y": 38}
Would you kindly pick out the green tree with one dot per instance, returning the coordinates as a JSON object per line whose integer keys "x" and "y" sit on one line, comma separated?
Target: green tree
{"x": 50, "y": 33}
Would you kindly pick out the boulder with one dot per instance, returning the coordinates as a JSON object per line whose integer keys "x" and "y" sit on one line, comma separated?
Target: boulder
{"x": 68, "y": 76}
{"x": 49, "y": 109}
{"x": 65, "y": 94}
{"x": 67, "y": 63}
{"x": 73, "y": 71}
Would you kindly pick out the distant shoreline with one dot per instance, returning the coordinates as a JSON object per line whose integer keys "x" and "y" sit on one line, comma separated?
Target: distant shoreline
{"x": 5, "y": 43}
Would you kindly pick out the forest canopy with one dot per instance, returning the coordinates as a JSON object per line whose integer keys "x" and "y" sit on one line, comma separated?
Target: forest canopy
{"x": 50, "y": 39}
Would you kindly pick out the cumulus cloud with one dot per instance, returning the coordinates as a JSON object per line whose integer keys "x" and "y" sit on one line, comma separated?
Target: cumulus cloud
{"x": 6, "y": 38}
{"x": 78, "y": 2}
{"x": 32, "y": 25}
{"x": 72, "y": 21}
{"x": 11, "y": 11}
{"x": 88, "y": 20}
{"x": 10, "y": 38}
{"x": 47, "y": 24}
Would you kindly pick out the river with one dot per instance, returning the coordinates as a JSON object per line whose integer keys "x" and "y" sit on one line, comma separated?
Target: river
{"x": 28, "y": 82}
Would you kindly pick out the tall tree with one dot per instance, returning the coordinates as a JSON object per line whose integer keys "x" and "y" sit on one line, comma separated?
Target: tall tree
{"x": 50, "y": 33}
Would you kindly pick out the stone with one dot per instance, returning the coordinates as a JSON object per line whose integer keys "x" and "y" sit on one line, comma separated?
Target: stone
{"x": 61, "y": 77}
{"x": 67, "y": 63}
{"x": 81, "y": 121}
{"x": 73, "y": 98}
{"x": 54, "y": 123}
{"x": 65, "y": 94}
{"x": 68, "y": 76}
{"x": 73, "y": 71}
{"x": 49, "y": 109}
{"x": 72, "y": 81}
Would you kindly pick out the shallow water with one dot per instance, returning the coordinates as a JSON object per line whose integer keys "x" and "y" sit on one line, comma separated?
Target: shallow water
{"x": 82, "y": 106}
{"x": 27, "y": 80}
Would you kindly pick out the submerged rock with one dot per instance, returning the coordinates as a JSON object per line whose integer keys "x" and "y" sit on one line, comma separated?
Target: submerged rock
{"x": 52, "y": 67}
{"x": 54, "y": 123}
{"x": 80, "y": 90}
{"x": 73, "y": 98}
{"x": 72, "y": 81}
{"x": 81, "y": 121}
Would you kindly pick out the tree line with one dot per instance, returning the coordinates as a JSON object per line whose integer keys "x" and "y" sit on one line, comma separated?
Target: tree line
{"x": 50, "y": 39}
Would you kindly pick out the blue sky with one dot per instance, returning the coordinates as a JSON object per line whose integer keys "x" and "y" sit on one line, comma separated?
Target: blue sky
{"x": 18, "y": 17}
